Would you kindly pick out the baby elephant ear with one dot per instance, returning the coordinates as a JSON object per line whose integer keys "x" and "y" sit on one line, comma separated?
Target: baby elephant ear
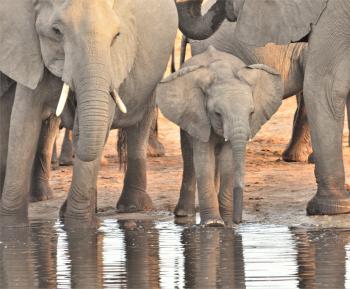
{"x": 267, "y": 89}
{"x": 181, "y": 99}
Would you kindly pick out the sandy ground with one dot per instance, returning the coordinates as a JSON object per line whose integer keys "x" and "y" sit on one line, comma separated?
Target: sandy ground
{"x": 276, "y": 192}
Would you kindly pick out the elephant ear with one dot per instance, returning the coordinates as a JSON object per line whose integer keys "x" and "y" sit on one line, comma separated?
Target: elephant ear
{"x": 181, "y": 98}
{"x": 267, "y": 89}
{"x": 20, "y": 56}
{"x": 51, "y": 45}
{"x": 124, "y": 49}
{"x": 279, "y": 21}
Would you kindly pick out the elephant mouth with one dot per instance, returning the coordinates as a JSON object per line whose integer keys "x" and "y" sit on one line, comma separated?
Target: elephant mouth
{"x": 64, "y": 97}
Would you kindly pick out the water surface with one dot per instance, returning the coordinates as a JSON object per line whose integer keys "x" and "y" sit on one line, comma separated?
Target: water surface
{"x": 162, "y": 254}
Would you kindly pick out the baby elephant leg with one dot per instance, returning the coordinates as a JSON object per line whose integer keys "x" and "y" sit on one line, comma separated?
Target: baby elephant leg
{"x": 186, "y": 204}
{"x": 204, "y": 161}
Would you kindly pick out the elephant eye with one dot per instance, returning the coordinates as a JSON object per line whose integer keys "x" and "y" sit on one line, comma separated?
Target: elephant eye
{"x": 115, "y": 38}
{"x": 56, "y": 30}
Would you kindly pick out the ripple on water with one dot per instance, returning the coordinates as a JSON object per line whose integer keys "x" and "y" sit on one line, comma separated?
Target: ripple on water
{"x": 162, "y": 254}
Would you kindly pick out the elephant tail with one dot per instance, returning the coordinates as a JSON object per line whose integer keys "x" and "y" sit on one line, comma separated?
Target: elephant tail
{"x": 122, "y": 149}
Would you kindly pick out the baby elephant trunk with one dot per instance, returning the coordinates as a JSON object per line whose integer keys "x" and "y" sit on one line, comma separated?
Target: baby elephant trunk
{"x": 238, "y": 156}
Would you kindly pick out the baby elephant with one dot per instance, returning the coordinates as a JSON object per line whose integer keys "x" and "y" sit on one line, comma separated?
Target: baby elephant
{"x": 221, "y": 103}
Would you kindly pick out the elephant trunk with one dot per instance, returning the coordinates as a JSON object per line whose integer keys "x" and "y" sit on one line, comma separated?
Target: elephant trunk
{"x": 196, "y": 26}
{"x": 94, "y": 106}
{"x": 238, "y": 144}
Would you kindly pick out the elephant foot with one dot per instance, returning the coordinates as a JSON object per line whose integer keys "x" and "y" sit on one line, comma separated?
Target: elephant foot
{"x": 135, "y": 202}
{"x": 296, "y": 153}
{"x": 328, "y": 206}
{"x": 40, "y": 193}
{"x": 213, "y": 222}
{"x": 72, "y": 221}
{"x": 227, "y": 216}
{"x": 155, "y": 147}
{"x": 311, "y": 158}
{"x": 185, "y": 209}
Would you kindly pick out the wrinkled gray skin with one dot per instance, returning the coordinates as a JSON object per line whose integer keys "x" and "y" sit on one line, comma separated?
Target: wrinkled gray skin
{"x": 154, "y": 149}
{"x": 215, "y": 97}
{"x": 288, "y": 60}
{"x": 95, "y": 49}
{"x": 326, "y": 80}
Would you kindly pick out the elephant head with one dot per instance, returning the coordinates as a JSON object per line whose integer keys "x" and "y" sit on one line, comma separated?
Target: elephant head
{"x": 258, "y": 21}
{"x": 83, "y": 42}
{"x": 230, "y": 98}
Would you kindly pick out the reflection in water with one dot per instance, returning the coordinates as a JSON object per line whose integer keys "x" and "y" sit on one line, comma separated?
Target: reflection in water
{"x": 270, "y": 257}
{"x": 147, "y": 254}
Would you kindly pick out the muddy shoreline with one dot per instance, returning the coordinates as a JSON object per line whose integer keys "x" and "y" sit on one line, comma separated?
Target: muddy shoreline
{"x": 276, "y": 192}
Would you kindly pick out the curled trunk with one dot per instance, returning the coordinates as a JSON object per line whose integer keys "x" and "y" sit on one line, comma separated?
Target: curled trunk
{"x": 195, "y": 25}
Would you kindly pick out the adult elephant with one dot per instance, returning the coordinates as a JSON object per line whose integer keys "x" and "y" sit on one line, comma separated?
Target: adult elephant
{"x": 100, "y": 49}
{"x": 327, "y": 75}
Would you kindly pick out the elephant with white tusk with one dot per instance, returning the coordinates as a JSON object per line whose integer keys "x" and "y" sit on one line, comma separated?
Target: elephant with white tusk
{"x": 215, "y": 97}
{"x": 102, "y": 50}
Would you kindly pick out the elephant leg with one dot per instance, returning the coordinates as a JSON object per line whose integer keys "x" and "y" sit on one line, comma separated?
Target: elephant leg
{"x": 6, "y": 103}
{"x": 40, "y": 187}
{"x": 204, "y": 162}
{"x": 299, "y": 147}
{"x": 80, "y": 207}
{"x": 226, "y": 183}
{"x": 326, "y": 117}
{"x": 155, "y": 147}
{"x": 186, "y": 204}
{"x": 54, "y": 159}
{"x": 134, "y": 196}
{"x": 66, "y": 156}
{"x": 23, "y": 139}
{"x": 348, "y": 114}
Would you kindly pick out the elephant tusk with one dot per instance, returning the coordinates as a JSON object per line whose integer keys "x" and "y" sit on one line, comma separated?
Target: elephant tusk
{"x": 63, "y": 99}
{"x": 118, "y": 101}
